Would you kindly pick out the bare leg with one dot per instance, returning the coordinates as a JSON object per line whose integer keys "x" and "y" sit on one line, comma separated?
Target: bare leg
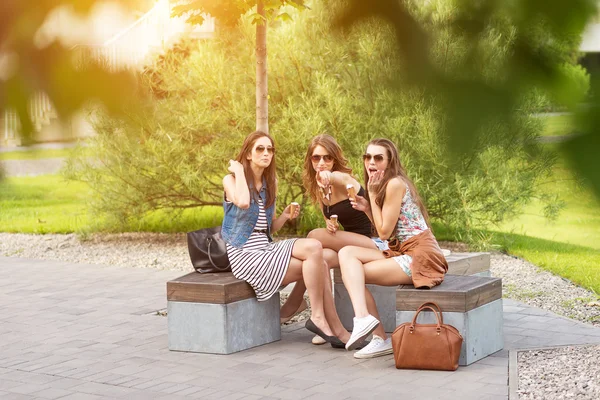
{"x": 294, "y": 299}
{"x": 297, "y": 294}
{"x": 336, "y": 241}
{"x": 372, "y": 308}
{"x": 332, "y": 243}
{"x": 307, "y": 263}
{"x": 388, "y": 274}
{"x": 361, "y": 265}
{"x": 330, "y": 312}
{"x": 353, "y": 275}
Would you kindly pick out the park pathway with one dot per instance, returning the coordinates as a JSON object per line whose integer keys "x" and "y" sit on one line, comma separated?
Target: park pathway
{"x": 75, "y": 331}
{"x": 34, "y": 167}
{"x": 45, "y": 166}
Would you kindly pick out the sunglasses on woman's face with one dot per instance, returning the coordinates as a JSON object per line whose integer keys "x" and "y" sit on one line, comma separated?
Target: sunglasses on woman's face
{"x": 317, "y": 158}
{"x": 376, "y": 157}
{"x": 261, "y": 149}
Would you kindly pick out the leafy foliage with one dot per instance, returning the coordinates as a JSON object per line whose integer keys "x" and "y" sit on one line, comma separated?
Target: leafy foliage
{"x": 228, "y": 12}
{"x": 174, "y": 154}
{"x": 539, "y": 31}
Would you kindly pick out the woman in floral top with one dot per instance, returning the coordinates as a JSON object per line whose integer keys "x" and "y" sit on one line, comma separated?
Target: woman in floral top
{"x": 398, "y": 214}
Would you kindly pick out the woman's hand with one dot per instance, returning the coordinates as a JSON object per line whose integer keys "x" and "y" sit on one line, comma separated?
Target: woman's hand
{"x": 287, "y": 213}
{"x": 375, "y": 180}
{"x": 324, "y": 178}
{"x": 235, "y": 168}
{"x": 332, "y": 226}
{"x": 360, "y": 204}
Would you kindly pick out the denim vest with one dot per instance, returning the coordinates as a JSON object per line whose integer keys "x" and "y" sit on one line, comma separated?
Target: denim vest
{"x": 238, "y": 223}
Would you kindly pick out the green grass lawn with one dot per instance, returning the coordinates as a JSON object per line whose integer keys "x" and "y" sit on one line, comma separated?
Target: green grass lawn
{"x": 35, "y": 154}
{"x": 577, "y": 224}
{"x": 43, "y": 204}
{"x": 579, "y": 264}
{"x": 49, "y": 204}
{"x": 557, "y": 125}
{"x": 569, "y": 246}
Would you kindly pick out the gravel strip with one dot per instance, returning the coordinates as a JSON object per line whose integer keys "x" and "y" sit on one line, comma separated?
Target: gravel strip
{"x": 531, "y": 285}
{"x": 560, "y": 373}
{"x": 135, "y": 250}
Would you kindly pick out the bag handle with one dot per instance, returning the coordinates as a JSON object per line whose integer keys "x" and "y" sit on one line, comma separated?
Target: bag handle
{"x": 434, "y": 305}
{"x": 210, "y": 240}
{"x": 422, "y": 308}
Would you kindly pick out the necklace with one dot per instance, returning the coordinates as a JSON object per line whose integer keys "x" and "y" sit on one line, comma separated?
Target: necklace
{"x": 326, "y": 194}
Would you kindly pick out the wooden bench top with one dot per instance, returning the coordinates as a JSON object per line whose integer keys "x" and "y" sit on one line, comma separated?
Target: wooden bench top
{"x": 458, "y": 264}
{"x": 216, "y": 288}
{"x": 468, "y": 263}
{"x": 456, "y": 294}
{"x": 224, "y": 288}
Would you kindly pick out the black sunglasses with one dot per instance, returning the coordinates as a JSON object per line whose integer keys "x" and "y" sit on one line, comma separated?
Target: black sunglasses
{"x": 376, "y": 157}
{"x": 316, "y": 158}
{"x": 261, "y": 149}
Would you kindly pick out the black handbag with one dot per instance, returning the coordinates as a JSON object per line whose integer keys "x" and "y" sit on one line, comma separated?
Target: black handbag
{"x": 208, "y": 251}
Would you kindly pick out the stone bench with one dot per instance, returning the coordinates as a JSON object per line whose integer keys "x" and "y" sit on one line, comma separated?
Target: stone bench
{"x": 477, "y": 264}
{"x": 471, "y": 304}
{"x": 474, "y": 264}
{"x": 218, "y": 313}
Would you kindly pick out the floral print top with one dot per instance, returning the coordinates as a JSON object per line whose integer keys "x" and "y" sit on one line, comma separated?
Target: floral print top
{"x": 411, "y": 221}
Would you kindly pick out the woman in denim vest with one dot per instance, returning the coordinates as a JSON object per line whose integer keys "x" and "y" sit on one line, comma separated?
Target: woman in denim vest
{"x": 250, "y": 192}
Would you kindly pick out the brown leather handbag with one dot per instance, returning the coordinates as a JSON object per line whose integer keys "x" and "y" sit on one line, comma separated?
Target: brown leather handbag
{"x": 427, "y": 346}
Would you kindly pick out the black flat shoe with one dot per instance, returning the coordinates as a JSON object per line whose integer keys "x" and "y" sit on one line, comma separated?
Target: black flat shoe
{"x": 341, "y": 345}
{"x": 334, "y": 341}
{"x": 317, "y": 331}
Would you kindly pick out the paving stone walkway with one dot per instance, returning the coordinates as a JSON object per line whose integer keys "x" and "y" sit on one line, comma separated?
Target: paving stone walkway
{"x": 74, "y": 331}
{"x": 34, "y": 167}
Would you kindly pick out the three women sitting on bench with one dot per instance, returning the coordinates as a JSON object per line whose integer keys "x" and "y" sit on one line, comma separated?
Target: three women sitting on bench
{"x": 390, "y": 209}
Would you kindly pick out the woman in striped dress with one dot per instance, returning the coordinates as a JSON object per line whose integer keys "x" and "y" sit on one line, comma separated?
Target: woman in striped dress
{"x": 249, "y": 204}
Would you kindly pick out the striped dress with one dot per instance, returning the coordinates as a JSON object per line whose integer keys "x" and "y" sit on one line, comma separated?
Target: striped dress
{"x": 261, "y": 263}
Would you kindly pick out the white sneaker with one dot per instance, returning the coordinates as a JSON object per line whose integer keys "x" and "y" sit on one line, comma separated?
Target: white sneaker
{"x": 362, "y": 328}
{"x": 377, "y": 348}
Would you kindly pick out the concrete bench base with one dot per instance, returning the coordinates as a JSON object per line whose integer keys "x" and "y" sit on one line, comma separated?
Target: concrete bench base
{"x": 223, "y": 328}
{"x": 471, "y": 304}
{"x": 218, "y": 313}
{"x": 481, "y": 329}
{"x": 474, "y": 264}
{"x": 385, "y": 298}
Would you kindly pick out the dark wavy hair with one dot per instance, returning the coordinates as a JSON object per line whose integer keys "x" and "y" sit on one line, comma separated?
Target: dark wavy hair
{"x": 269, "y": 173}
{"x": 340, "y": 163}
{"x": 393, "y": 170}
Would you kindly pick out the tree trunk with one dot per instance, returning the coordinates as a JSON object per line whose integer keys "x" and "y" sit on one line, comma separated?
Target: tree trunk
{"x": 262, "y": 97}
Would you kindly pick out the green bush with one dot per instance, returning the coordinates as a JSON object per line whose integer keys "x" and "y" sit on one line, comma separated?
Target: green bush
{"x": 174, "y": 153}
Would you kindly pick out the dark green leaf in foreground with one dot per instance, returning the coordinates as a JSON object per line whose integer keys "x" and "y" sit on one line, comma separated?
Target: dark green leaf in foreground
{"x": 472, "y": 97}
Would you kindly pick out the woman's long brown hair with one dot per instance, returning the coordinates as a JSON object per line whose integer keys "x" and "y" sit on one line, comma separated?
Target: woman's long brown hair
{"x": 340, "y": 163}
{"x": 393, "y": 170}
{"x": 269, "y": 173}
